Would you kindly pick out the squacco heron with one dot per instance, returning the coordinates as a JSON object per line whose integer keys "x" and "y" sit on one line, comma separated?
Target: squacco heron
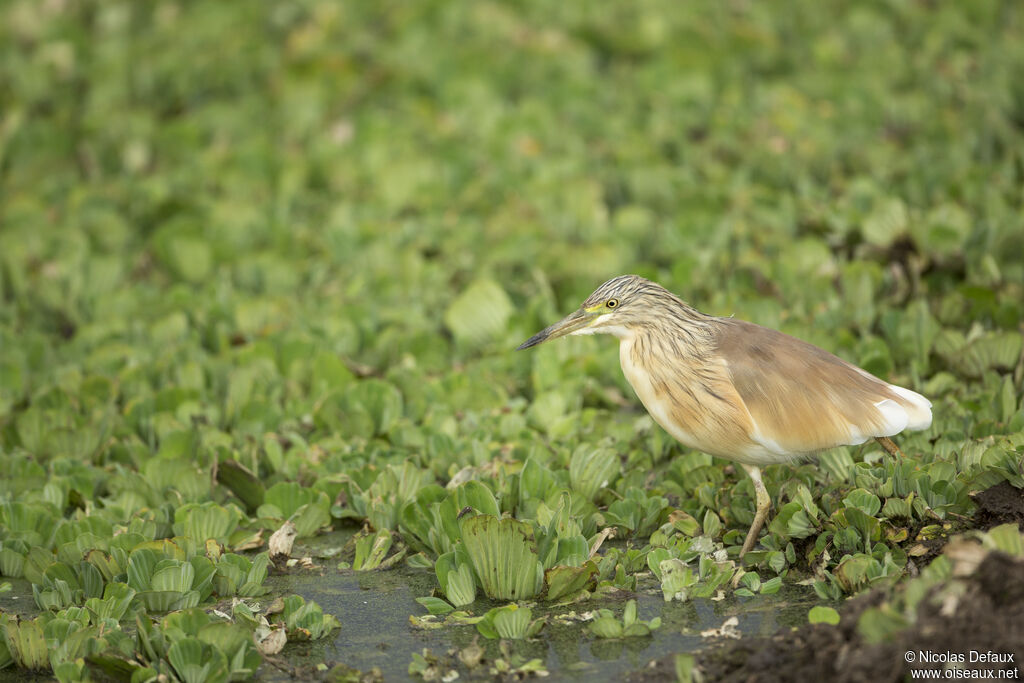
{"x": 735, "y": 389}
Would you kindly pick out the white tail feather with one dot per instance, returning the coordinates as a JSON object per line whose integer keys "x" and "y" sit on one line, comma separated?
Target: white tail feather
{"x": 919, "y": 412}
{"x": 895, "y": 415}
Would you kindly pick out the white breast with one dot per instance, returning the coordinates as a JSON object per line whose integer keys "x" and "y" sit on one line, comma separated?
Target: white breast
{"x": 640, "y": 380}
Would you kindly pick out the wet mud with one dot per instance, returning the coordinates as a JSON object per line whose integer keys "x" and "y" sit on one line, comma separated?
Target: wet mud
{"x": 987, "y": 617}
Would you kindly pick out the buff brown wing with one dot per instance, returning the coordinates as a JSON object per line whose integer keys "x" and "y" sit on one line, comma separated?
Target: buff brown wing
{"x": 803, "y": 399}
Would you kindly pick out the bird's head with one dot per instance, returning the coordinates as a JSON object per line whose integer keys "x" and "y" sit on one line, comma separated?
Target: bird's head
{"x": 616, "y": 307}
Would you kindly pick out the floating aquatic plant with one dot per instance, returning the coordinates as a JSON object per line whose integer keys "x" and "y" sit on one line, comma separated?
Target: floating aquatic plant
{"x": 510, "y": 621}
{"x": 606, "y": 625}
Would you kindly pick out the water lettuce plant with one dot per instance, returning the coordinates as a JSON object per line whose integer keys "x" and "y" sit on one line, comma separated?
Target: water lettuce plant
{"x": 207, "y": 330}
{"x": 238, "y": 575}
{"x": 509, "y": 559}
{"x": 503, "y": 556}
{"x": 307, "y": 509}
{"x": 190, "y": 645}
{"x": 95, "y": 578}
{"x": 24, "y": 644}
{"x": 605, "y": 625}
{"x": 512, "y": 622}
{"x": 371, "y": 551}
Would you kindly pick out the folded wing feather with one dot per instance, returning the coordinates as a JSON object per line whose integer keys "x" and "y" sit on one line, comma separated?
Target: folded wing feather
{"x": 803, "y": 399}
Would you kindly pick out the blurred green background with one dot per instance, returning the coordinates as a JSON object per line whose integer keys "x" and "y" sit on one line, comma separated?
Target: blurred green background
{"x": 242, "y": 207}
{"x": 347, "y": 170}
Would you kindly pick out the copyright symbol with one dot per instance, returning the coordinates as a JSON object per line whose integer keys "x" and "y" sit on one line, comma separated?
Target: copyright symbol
{"x": 909, "y": 655}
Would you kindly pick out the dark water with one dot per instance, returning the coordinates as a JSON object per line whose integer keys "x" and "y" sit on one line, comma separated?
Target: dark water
{"x": 374, "y": 609}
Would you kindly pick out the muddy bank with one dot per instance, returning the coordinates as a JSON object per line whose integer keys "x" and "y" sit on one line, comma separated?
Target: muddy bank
{"x": 998, "y": 505}
{"x": 988, "y": 616}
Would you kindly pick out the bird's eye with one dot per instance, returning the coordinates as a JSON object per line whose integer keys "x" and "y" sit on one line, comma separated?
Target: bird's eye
{"x": 611, "y": 303}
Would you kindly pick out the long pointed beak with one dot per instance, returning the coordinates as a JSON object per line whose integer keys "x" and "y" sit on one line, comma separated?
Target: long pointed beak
{"x": 567, "y": 325}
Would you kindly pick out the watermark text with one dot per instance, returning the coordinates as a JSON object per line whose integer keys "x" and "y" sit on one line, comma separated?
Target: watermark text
{"x": 969, "y": 664}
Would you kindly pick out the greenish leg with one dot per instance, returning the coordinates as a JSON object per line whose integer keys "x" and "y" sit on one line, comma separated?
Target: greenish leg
{"x": 763, "y": 504}
{"x": 890, "y": 447}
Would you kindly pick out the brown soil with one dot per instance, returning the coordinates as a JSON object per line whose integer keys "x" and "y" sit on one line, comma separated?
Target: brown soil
{"x": 999, "y": 505}
{"x": 988, "y": 617}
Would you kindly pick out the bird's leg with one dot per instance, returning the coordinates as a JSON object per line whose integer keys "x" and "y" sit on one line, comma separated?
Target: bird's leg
{"x": 890, "y": 447}
{"x": 763, "y": 503}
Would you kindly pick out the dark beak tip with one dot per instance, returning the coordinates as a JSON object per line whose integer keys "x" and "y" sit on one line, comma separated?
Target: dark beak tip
{"x": 532, "y": 341}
